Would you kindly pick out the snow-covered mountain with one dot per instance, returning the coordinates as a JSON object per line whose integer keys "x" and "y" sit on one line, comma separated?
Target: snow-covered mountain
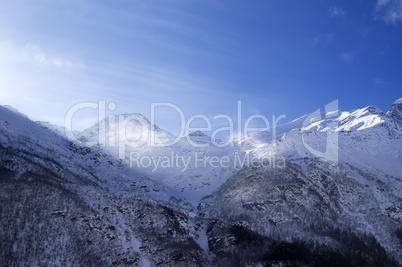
{"x": 124, "y": 201}
{"x": 183, "y": 166}
{"x": 395, "y": 112}
{"x": 67, "y": 205}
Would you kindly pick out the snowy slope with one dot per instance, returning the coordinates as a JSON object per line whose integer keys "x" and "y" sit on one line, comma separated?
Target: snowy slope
{"x": 183, "y": 166}
{"x": 367, "y": 138}
{"x": 360, "y": 191}
{"x": 314, "y": 191}
{"x": 66, "y": 205}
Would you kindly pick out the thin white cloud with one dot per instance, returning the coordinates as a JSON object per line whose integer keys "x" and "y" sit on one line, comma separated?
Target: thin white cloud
{"x": 153, "y": 28}
{"x": 53, "y": 82}
{"x": 34, "y": 52}
{"x": 389, "y": 10}
{"x": 336, "y": 11}
{"x": 322, "y": 39}
{"x": 378, "y": 81}
{"x": 346, "y": 57}
{"x": 31, "y": 53}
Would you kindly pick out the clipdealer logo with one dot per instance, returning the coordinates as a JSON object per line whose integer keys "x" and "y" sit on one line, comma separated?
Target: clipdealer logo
{"x": 114, "y": 134}
{"x": 199, "y": 160}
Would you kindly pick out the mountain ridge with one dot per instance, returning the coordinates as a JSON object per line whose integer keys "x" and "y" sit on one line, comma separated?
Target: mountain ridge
{"x": 204, "y": 214}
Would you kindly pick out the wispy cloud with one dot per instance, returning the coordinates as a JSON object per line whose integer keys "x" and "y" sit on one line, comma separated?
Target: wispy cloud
{"x": 138, "y": 84}
{"x": 322, "y": 39}
{"x": 336, "y": 12}
{"x": 378, "y": 81}
{"x": 346, "y": 57}
{"x": 31, "y": 53}
{"x": 389, "y": 10}
{"x": 164, "y": 25}
{"x": 34, "y": 79}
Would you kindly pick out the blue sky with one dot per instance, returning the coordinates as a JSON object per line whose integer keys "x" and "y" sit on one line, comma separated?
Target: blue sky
{"x": 277, "y": 57}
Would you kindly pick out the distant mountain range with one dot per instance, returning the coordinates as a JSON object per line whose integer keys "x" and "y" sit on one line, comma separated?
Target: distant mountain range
{"x": 193, "y": 203}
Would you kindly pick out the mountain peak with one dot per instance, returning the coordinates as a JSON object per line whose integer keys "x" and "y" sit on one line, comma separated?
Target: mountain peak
{"x": 397, "y": 102}
{"x": 198, "y": 133}
{"x": 395, "y": 111}
{"x": 11, "y": 110}
{"x": 198, "y": 137}
{"x": 373, "y": 110}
